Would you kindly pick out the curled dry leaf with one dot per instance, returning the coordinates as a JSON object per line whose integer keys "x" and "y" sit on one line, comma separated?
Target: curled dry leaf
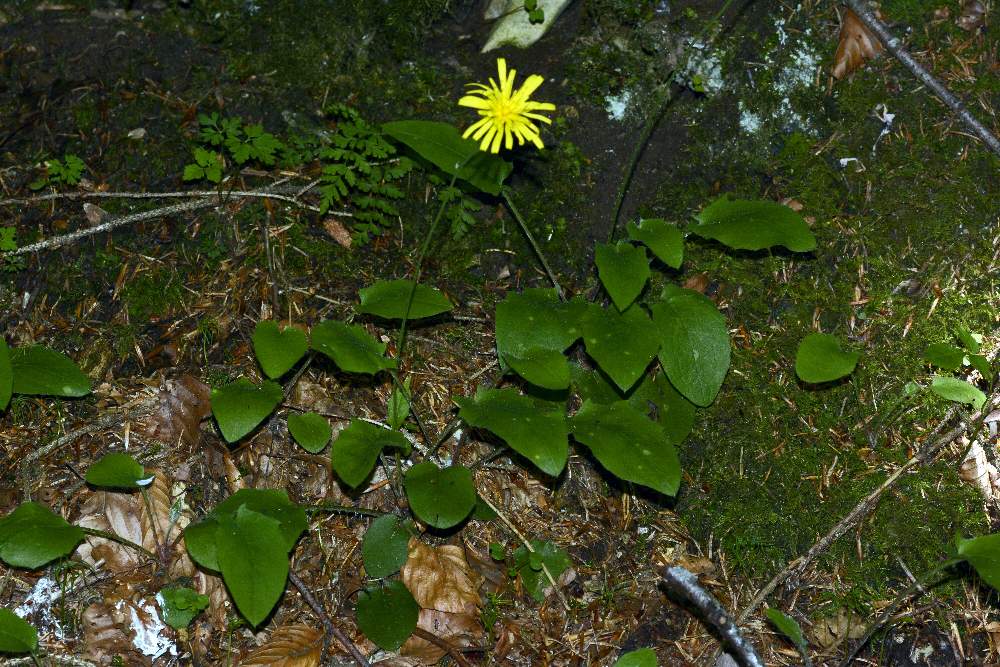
{"x": 215, "y": 589}
{"x": 977, "y": 470}
{"x": 181, "y": 405}
{"x": 857, "y": 45}
{"x": 336, "y": 230}
{"x": 289, "y": 646}
{"x": 973, "y": 16}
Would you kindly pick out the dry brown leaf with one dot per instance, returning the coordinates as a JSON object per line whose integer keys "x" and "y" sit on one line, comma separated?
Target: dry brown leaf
{"x": 440, "y": 578}
{"x": 459, "y": 630}
{"x": 103, "y": 635}
{"x": 831, "y": 631}
{"x": 215, "y": 589}
{"x": 118, "y": 513}
{"x": 337, "y": 231}
{"x": 160, "y": 531}
{"x": 698, "y": 282}
{"x": 181, "y": 405}
{"x": 95, "y": 214}
{"x": 289, "y": 646}
{"x": 973, "y": 16}
{"x": 857, "y": 45}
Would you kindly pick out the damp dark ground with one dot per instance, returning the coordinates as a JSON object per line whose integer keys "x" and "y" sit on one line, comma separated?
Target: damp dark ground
{"x": 907, "y": 222}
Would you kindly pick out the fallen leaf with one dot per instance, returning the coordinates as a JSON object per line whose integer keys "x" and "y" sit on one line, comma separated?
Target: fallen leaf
{"x": 977, "y": 470}
{"x": 104, "y": 637}
{"x": 118, "y": 513}
{"x": 698, "y": 282}
{"x": 337, "y": 231}
{"x": 459, "y": 630}
{"x": 289, "y": 646}
{"x": 831, "y": 631}
{"x": 181, "y": 405}
{"x": 973, "y": 16}
{"x": 440, "y": 578}
{"x": 857, "y": 45}
{"x": 95, "y": 214}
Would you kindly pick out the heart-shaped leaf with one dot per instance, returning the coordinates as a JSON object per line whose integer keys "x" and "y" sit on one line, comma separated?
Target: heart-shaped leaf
{"x": 32, "y": 535}
{"x": 944, "y": 356}
{"x": 440, "y": 497}
{"x": 239, "y": 407}
{"x": 754, "y": 225}
{"x": 180, "y": 605}
{"x": 389, "y": 299}
{"x": 350, "y": 347}
{"x": 38, "y": 370}
{"x": 200, "y": 538}
{"x": 694, "y": 343}
{"x": 624, "y": 270}
{"x": 622, "y": 344}
{"x": 528, "y": 565}
{"x": 387, "y": 614}
{"x": 820, "y": 358}
{"x": 277, "y": 349}
{"x": 629, "y": 445}
{"x": 958, "y": 391}
{"x": 664, "y": 239}
{"x": 536, "y": 320}
{"x": 116, "y": 470}
{"x": 253, "y": 562}
{"x": 16, "y": 634}
{"x": 442, "y": 145}
{"x": 644, "y": 657}
{"x": 310, "y": 430}
{"x": 537, "y": 433}
{"x": 357, "y": 447}
{"x": 788, "y": 627}
{"x": 397, "y": 408}
{"x": 972, "y": 342}
{"x": 384, "y": 548}
{"x": 6, "y": 375}
{"x": 548, "y": 369}
{"x": 983, "y": 554}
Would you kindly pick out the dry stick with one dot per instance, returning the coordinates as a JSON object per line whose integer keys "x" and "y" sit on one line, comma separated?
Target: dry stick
{"x": 684, "y": 584}
{"x": 863, "y": 509}
{"x": 445, "y": 646}
{"x": 527, "y": 545}
{"x": 892, "y": 45}
{"x": 331, "y": 629}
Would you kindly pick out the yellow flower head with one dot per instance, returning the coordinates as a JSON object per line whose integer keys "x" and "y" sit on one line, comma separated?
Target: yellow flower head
{"x": 506, "y": 113}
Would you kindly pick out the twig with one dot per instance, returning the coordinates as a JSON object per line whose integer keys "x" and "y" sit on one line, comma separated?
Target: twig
{"x": 534, "y": 244}
{"x": 115, "y": 537}
{"x": 864, "y": 508}
{"x": 455, "y": 654}
{"x": 331, "y": 629}
{"x": 892, "y": 45}
{"x": 684, "y": 585}
{"x": 527, "y": 545}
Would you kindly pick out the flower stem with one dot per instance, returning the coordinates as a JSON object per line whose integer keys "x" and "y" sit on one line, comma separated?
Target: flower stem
{"x": 533, "y": 242}
{"x": 114, "y": 537}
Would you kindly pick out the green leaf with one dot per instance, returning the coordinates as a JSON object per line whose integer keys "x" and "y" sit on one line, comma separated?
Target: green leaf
{"x": 754, "y": 225}
{"x": 624, "y": 270}
{"x": 241, "y": 406}
{"x": 387, "y": 614}
{"x": 398, "y": 406}
{"x": 440, "y": 497}
{"x": 944, "y": 356}
{"x": 357, "y": 447}
{"x": 200, "y": 537}
{"x": 192, "y": 172}
{"x": 277, "y": 349}
{"x": 664, "y": 239}
{"x": 788, "y": 626}
{"x": 548, "y": 369}
{"x": 958, "y": 391}
{"x": 694, "y": 343}
{"x": 385, "y": 546}
{"x": 442, "y": 145}
{"x": 644, "y": 657}
{"x": 536, "y": 319}
{"x": 352, "y": 348}
{"x": 983, "y": 554}
{"x": 972, "y": 342}
{"x": 32, "y": 535}
{"x": 16, "y": 634}
{"x": 533, "y": 578}
{"x": 630, "y": 445}
{"x": 982, "y": 364}
{"x": 310, "y": 430}
{"x": 180, "y": 605}
{"x": 116, "y": 470}
{"x": 820, "y": 358}
{"x": 38, "y": 370}
{"x": 6, "y": 375}
{"x": 622, "y": 344}
{"x": 482, "y": 511}
{"x": 537, "y": 433}
{"x": 389, "y": 299}
{"x": 253, "y": 561}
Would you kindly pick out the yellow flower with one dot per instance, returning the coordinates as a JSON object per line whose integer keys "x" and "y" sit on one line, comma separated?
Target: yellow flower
{"x": 506, "y": 113}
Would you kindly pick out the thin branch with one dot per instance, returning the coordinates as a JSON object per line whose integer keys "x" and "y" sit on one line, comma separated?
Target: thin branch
{"x": 893, "y": 46}
{"x": 115, "y": 537}
{"x": 684, "y": 584}
{"x": 534, "y": 244}
{"x": 331, "y": 629}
